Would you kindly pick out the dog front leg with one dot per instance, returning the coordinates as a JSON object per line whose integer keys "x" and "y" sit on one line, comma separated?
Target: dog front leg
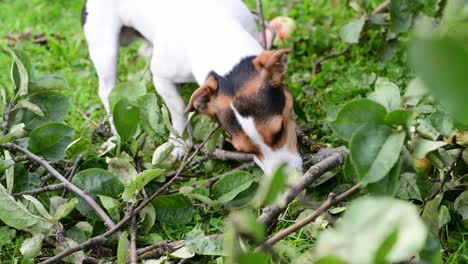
{"x": 176, "y": 105}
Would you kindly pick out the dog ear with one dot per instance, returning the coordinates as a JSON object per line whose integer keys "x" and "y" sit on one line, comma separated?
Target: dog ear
{"x": 202, "y": 98}
{"x": 272, "y": 63}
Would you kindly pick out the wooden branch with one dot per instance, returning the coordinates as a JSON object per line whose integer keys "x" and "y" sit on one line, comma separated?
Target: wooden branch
{"x": 225, "y": 155}
{"x": 270, "y": 213}
{"x": 164, "y": 247}
{"x": 262, "y": 23}
{"x": 103, "y": 238}
{"x": 447, "y": 174}
{"x": 73, "y": 171}
{"x": 381, "y": 8}
{"x": 332, "y": 200}
{"x": 49, "y": 188}
{"x": 66, "y": 184}
{"x": 133, "y": 233}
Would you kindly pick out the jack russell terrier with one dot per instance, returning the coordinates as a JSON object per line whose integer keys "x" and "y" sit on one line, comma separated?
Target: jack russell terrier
{"x": 214, "y": 43}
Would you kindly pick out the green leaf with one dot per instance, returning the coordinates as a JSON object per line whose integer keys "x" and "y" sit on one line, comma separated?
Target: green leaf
{"x": 147, "y": 219}
{"x": 140, "y": 181}
{"x": 351, "y": 32}
{"x": 147, "y": 176}
{"x": 77, "y": 147}
{"x": 442, "y": 122}
{"x": 246, "y": 223}
{"x": 126, "y": 118}
{"x": 230, "y": 185}
{"x": 31, "y": 247}
{"x": 77, "y": 257}
{"x": 54, "y": 105}
{"x": 50, "y": 140}
{"x": 182, "y": 253}
{"x": 271, "y": 188}
{"x": 162, "y": 153}
{"x": 48, "y": 83}
{"x": 96, "y": 182}
{"x": 401, "y": 14}
{"x": 122, "y": 248}
{"x": 16, "y": 215}
{"x": 175, "y": 209}
{"x": 423, "y": 146}
{"x": 31, "y": 107}
{"x": 39, "y": 206}
{"x": 388, "y": 185}
{"x": 461, "y": 205}
{"x": 428, "y": 56}
{"x": 130, "y": 91}
{"x": 367, "y": 224}
{"x": 355, "y": 114}
{"x": 19, "y": 70}
{"x": 374, "y": 150}
{"x": 27, "y": 181}
{"x": 425, "y": 130}
{"x": 432, "y": 253}
{"x": 200, "y": 244}
{"x": 112, "y": 206}
{"x": 414, "y": 92}
{"x": 151, "y": 117}
{"x": 430, "y": 215}
{"x": 254, "y": 257}
{"x": 408, "y": 188}
{"x": 387, "y": 94}
{"x": 444, "y": 216}
{"x": 65, "y": 209}
{"x": 123, "y": 169}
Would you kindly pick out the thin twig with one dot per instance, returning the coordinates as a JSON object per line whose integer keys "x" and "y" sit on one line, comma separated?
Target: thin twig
{"x": 262, "y": 23}
{"x": 317, "y": 67}
{"x": 446, "y": 175}
{"x": 332, "y": 200}
{"x": 6, "y": 118}
{"x": 221, "y": 154}
{"x": 73, "y": 171}
{"x": 49, "y": 188}
{"x": 68, "y": 185}
{"x": 270, "y": 213}
{"x": 103, "y": 237}
{"x": 133, "y": 233}
{"x": 165, "y": 247}
{"x": 380, "y": 8}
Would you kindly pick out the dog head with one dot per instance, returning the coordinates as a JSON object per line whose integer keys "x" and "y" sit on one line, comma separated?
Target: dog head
{"x": 254, "y": 106}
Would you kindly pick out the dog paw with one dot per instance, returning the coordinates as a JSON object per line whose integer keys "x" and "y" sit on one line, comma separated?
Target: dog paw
{"x": 180, "y": 148}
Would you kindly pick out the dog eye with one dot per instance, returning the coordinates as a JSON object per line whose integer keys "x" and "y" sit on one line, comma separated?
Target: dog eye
{"x": 277, "y": 136}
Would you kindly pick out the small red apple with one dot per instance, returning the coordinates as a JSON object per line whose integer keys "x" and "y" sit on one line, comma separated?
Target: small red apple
{"x": 283, "y": 27}
{"x": 422, "y": 164}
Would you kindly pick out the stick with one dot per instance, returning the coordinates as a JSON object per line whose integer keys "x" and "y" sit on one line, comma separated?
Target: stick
{"x": 380, "y": 8}
{"x": 446, "y": 175}
{"x": 331, "y": 201}
{"x": 73, "y": 170}
{"x": 262, "y": 23}
{"x": 226, "y": 155}
{"x": 133, "y": 234}
{"x": 314, "y": 172}
{"x": 66, "y": 184}
{"x": 103, "y": 238}
{"x": 165, "y": 246}
{"x": 49, "y": 188}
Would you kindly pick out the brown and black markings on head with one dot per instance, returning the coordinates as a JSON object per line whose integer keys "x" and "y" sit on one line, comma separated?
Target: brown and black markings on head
{"x": 253, "y": 90}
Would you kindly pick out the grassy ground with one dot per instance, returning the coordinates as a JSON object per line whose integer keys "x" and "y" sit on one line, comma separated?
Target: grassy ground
{"x": 317, "y": 95}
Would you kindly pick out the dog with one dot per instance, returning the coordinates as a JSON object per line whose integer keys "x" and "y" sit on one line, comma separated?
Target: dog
{"x": 211, "y": 42}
